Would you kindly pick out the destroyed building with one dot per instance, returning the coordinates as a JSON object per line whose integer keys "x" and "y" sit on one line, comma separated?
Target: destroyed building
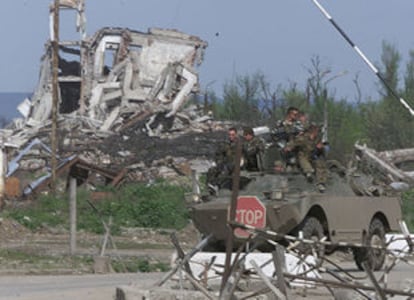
{"x": 119, "y": 75}
{"x": 116, "y": 80}
{"x": 123, "y": 112}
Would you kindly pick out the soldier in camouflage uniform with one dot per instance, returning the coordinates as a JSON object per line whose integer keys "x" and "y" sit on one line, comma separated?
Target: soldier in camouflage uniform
{"x": 284, "y": 131}
{"x": 253, "y": 148}
{"x": 301, "y": 123}
{"x": 220, "y": 174}
{"x": 311, "y": 155}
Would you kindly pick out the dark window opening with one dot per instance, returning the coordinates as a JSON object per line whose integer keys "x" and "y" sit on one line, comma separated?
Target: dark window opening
{"x": 70, "y": 94}
{"x": 69, "y": 63}
{"x": 109, "y": 59}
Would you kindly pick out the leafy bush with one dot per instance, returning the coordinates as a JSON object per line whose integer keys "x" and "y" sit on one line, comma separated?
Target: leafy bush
{"x": 160, "y": 205}
{"x": 139, "y": 265}
{"x": 47, "y": 210}
{"x": 408, "y": 208}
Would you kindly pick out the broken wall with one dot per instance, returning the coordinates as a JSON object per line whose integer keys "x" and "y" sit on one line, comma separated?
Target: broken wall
{"x": 124, "y": 71}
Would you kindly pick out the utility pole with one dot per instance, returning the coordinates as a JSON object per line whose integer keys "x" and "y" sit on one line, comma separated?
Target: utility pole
{"x": 55, "y": 91}
{"x": 3, "y": 170}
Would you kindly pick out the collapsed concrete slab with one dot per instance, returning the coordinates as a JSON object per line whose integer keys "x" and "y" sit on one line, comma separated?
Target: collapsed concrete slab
{"x": 107, "y": 83}
{"x": 116, "y": 74}
{"x": 106, "y": 80}
{"x": 392, "y": 168}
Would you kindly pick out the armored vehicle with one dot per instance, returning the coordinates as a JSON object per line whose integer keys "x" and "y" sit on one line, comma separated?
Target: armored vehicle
{"x": 343, "y": 213}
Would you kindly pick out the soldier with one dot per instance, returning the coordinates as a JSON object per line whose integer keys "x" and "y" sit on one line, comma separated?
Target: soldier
{"x": 253, "y": 148}
{"x": 225, "y": 155}
{"x": 311, "y": 155}
{"x": 284, "y": 131}
{"x": 301, "y": 123}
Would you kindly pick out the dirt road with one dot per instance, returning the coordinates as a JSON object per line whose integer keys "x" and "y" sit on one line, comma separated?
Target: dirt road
{"x": 69, "y": 287}
{"x": 102, "y": 287}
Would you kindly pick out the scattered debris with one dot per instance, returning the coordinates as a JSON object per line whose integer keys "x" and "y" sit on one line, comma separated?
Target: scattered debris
{"x": 393, "y": 167}
{"x": 284, "y": 273}
{"x": 122, "y": 94}
{"x": 118, "y": 86}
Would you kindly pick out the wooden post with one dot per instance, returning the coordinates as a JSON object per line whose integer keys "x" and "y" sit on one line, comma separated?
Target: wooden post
{"x": 84, "y": 81}
{"x": 379, "y": 291}
{"x": 72, "y": 213}
{"x": 83, "y": 58}
{"x": 186, "y": 259}
{"x": 280, "y": 268}
{"x": 107, "y": 235}
{"x": 196, "y": 182}
{"x": 180, "y": 253}
{"x": 232, "y": 216}
{"x": 267, "y": 281}
{"x": 3, "y": 171}
{"x": 55, "y": 89}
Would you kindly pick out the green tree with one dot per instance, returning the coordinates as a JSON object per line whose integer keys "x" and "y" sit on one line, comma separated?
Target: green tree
{"x": 388, "y": 118}
{"x": 241, "y": 99}
{"x": 345, "y": 128}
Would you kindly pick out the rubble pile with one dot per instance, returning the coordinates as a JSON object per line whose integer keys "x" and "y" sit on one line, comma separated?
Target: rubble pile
{"x": 123, "y": 112}
{"x": 135, "y": 154}
{"x": 391, "y": 169}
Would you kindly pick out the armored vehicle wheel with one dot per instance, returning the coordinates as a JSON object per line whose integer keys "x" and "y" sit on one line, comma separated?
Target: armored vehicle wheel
{"x": 312, "y": 229}
{"x": 374, "y": 257}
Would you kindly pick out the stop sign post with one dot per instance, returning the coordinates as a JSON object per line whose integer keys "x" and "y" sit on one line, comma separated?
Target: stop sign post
{"x": 249, "y": 211}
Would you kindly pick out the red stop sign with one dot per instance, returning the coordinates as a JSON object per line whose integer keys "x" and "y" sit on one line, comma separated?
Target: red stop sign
{"x": 250, "y": 211}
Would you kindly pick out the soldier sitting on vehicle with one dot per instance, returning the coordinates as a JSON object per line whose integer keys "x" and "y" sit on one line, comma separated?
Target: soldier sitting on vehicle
{"x": 301, "y": 123}
{"x": 284, "y": 131}
{"x": 221, "y": 172}
{"x": 252, "y": 151}
{"x": 311, "y": 155}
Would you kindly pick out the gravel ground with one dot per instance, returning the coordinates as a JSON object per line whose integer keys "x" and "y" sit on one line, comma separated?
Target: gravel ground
{"x": 47, "y": 251}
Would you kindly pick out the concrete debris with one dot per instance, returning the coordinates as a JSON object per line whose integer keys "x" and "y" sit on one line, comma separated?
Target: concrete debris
{"x": 282, "y": 274}
{"x": 112, "y": 78}
{"x": 123, "y": 107}
{"x": 295, "y": 266}
{"x": 389, "y": 169}
{"x": 120, "y": 92}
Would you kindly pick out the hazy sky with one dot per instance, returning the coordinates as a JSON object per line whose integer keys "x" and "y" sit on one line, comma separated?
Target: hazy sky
{"x": 276, "y": 37}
